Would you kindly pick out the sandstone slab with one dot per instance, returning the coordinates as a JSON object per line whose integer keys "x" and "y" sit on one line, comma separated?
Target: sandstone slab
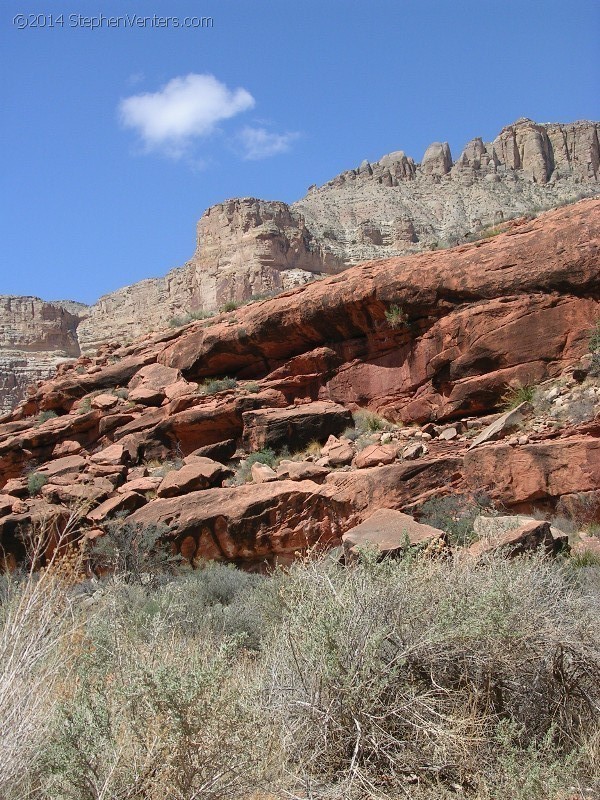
{"x": 391, "y": 533}
{"x": 296, "y": 427}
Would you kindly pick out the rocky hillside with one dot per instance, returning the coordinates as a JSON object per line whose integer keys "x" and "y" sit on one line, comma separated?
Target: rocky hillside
{"x": 248, "y": 247}
{"x": 236, "y": 433}
{"x": 34, "y": 338}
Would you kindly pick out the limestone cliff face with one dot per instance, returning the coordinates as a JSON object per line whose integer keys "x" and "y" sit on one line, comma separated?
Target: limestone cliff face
{"x": 35, "y": 337}
{"x": 394, "y": 206}
{"x": 245, "y": 247}
{"x": 248, "y": 247}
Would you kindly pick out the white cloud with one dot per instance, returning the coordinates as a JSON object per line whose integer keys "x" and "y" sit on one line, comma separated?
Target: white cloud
{"x": 185, "y": 108}
{"x": 259, "y": 143}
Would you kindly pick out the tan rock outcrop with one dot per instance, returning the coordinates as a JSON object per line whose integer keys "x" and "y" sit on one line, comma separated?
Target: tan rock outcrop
{"x": 35, "y": 337}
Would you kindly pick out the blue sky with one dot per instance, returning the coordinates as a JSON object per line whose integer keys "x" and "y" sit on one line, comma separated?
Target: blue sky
{"x": 115, "y": 140}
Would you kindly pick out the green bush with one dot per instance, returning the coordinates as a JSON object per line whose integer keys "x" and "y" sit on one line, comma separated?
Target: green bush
{"x": 396, "y": 317}
{"x": 230, "y": 305}
{"x": 35, "y": 482}
{"x": 215, "y": 385}
{"x": 265, "y": 456}
{"x": 133, "y": 553}
{"x": 513, "y": 397}
{"x": 190, "y": 316}
{"x": 44, "y": 416}
{"x": 368, "y": 422}
{"x": 455, "y": 514}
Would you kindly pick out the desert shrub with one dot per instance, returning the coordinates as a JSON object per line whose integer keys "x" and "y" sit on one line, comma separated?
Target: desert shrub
{"x": 594, "y": 347}
{"x": 121, "y": 392}
{"x": 420, "y": 678}
{"x": 368, "y": 422}
{"x": 244, "y": 472}
{"x": 190, "y": 316}
{"x": 215, "y": 385}
{"x": 584, "y": 558}
{"x": 36, "y": 634}
{"x": 85, "y": 405}
{"x": 396, "y": 317}
{"x": 44, "y": 416}
{"x": 484, "y": 233}
{"x": 455, "y": 514}
{"x": 131, "y": 552}
{"x": 35, "y": 483}
{"x": 450, "y": 674}
{"x": 230, "y": 305}
{"x": 156, "y": 715}
{"x": 513, "y": 397}
{"x": 252, "y": 386}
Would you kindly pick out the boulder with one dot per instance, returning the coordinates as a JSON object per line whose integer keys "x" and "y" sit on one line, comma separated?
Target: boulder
{"x": 220, "y": 451}
{"x": 141, "y": 485}
{"x": 413, "y": 451}
{"x": 295, "y": 427}
{"x": 490, "y": 529}
{"x": 104, "y": 402}
{"x": 301, "y": 471}
{"x": 113, "y": 456}
{"x": 6, "y": 504}
{"x": 391, "y": 533}
{"x": 262, "y": 473}
{"x": 251, "y": 523}
{"x": 121, "y": 503}
{"x": 146, "y": 395}
{"x": 154, "y": 376}
{"x": 62, "y": 466}
{"x": 337, "y": 452}
{"x": 505, "y": 423}
{"x": 180, "y": 389}
{"x": 201, "y": 473}
{"x": 532, "y": 535}
{"x": 375, "y": 454}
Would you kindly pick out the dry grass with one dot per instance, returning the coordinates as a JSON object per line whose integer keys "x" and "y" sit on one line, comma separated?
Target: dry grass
{"x": 395, "y": 679}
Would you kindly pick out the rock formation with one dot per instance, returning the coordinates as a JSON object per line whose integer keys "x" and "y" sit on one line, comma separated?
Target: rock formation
{"x": 248, "y": 247}
{"x": 34, "y": 338}
{"x": 437, "y": 355}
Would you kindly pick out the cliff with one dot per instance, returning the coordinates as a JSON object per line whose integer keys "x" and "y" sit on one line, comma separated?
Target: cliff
{"x": 394, "y": 207}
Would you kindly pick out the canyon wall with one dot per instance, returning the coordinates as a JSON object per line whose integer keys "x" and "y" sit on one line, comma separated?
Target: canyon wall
{"x": 248, "y": 247}
{"x": 34, "y": 338}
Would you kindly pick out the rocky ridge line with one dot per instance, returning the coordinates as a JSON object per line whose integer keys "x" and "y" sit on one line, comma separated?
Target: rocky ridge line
{"x": 248, "y": 247}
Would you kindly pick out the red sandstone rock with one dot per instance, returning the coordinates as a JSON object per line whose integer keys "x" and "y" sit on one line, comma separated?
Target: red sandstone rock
{"x": 146, "y": 396}
{"x": 141, "y": 485}
{"x": 295, "y": 427}
{"x": 220, "y": 451}
{"x": 104, "y": 402}
{"x": 251, "y": 523}
{"x": 67, "y": 448}
{"x": 262, "y": 473}
{"x": 154, "y": 376}
{"x": 375, "y": 454}
{"x": 6, "y": 504}
{"x": 531, "y": 535}
{"x": 111, "y": 456}
{"x": 62, "y": 466}
{"x": 119, "y": 503}
{"x": 301, "y": 471}
{"x": 180, "y": 389}
{"x": 390, "y": 533}
{"x": 201, "y": 473}
{"x": 337, "y": 452}
{"x": 543, "y": 470}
